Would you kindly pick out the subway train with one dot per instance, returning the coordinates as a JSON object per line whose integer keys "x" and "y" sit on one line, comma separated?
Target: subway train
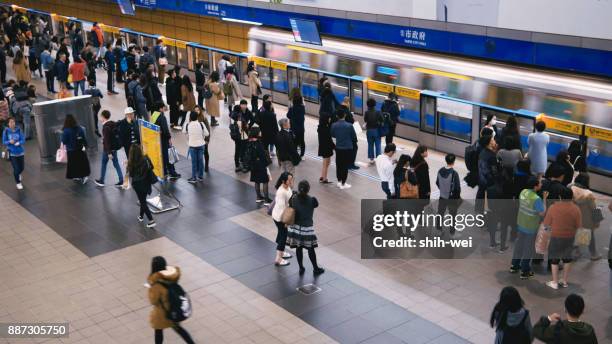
{"x": 444, "y": 101}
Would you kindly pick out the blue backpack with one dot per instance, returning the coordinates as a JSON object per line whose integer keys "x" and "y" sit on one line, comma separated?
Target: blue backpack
{"x": 123, "y": 65}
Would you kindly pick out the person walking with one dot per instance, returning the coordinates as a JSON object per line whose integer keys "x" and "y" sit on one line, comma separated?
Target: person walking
{"x": 231, "y": 88}
{"x": 200, "y": 81}
{"x": 510, "y": 319}
{"x": 158, "y": 281}
{"x": 266, "y": 120}
{"x": 254, "y": 85}
{"x": 159, "y": 118}
{"x": 564, "y": 219}
{"x": 20, "y": 68}
{"x": 296, "y": 115}
{"x": 96, "y": 96}
{"x": 257, "y": 159}
{"x": 129, "y": 131}
{"x": 196, "y": 140}
{"x": 77, "y": 71}
{"x": 74, "y": 140}
{"x": 385, "y": 166}
{"x": 13, "y": 140}
{"x": 552, "y": 329}
{"x": 449, "y": 184}
{"x": 288, "y": 156}
{"x": 188, "y": 100}
{"x": 173, "y": 97}
{"x": 373, "y": 121}
{"x": 530, "y": 212}
{"x": 391, "y": 106}
{"x": 301, "y": 235}
{"x": 140, "y": 171}
{"x": 111, "y": 143}
{"x": 538, "y": 154}
{"x": 344, "y": 133}
{"x": 281, "y": 202}
{"x": 216, "y": 95}
{"x": 585, "y": 200}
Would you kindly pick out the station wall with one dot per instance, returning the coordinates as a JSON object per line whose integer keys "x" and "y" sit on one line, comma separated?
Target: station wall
{"x": 206, "y": 30}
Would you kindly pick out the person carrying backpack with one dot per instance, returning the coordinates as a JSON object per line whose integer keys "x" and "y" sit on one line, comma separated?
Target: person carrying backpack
{"x": 450, "y": 188}
{"x": 111, "y": 142}
{"x": 96, "y": 95}
{"x": 390, "y": 107}
{"x": 167, "y": 298}
{"x": 510, "y": 319}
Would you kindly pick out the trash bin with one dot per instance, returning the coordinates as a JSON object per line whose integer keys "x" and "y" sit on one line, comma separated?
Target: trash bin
{"x": 49, "y": 118}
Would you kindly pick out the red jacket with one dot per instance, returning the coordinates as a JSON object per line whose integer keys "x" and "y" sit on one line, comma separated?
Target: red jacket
{"x": 99, "y": 34}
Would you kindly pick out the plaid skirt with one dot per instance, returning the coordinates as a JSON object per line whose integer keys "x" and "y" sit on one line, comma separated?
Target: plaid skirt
{"x": 301, "y": 236}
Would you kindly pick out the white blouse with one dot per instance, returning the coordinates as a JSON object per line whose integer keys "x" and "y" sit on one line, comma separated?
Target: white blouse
{"x": 281, "y": 201}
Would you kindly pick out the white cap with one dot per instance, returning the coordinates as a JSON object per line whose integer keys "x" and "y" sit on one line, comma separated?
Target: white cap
{"x": 128, "y": 110}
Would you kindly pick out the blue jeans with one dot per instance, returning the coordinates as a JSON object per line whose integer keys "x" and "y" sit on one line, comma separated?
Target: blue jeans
{"x": 373, "y": 136}
{"x": 386, "y": 189}
{"x": 18, "y": 165}
{"x": 77, "y": 85}
{"x": 524, "y": 251}
{"x": 115, "y": 163}
{"x": 197, "y": 161}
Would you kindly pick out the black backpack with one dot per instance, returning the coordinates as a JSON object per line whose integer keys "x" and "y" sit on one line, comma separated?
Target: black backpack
{"x": 180, "y": 303}
{"x": 207, "y": 94}
{"x": 516, "y": 334}
{"x": 115, "y": 138}
{"x": 235, "y": 131}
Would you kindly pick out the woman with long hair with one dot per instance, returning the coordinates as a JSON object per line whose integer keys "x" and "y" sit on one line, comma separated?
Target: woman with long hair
{"x": 510, "y": 319}
{"x": 399, "y": 173}
{"x": 254, "y": 85}
{"x": 421, "y": 170}
{"x": 258, "y": 160}
{"x": 281, "y": 202}
{"x": 212, "y": 103}
{"x": 510, "y": 130}
{"x": 296, "y": 115}
{"x": 196, "y": 140}
{"x": 162, "y": 275}
{"x": 187, "y": 96}
{"x": 139, "y": 170}
{"x": 75, "y": 142}
{"x": 20, "y": 67}
{"x": 301, "y": 235}
{"x": 585, "y": 200}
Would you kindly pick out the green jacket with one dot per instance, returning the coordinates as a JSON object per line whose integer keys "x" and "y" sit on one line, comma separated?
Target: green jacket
{"x": 564, "y": 332}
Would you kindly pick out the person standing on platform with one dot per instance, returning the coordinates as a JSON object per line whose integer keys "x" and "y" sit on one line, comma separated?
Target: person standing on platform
{"x": 173, "y": 97}
{"x": 344, "y": 133}
{"x": 20, "y": 68}
{"x": 288, "y": 156}
{"x": 510, "y": 319}
{"x": 2, "y": 63}
{"x": 200, "y": 81}
{"x": 202, "y": 119}
{"x": 73, "y": 138}
{"x": 61, "y": 70}
{"x": 258, "y": 160}
{"x": 348, "y": 116}
{"x": 109, "y": 58}
{"x": 538, "y": 154}
{"x": 160, "y": 58}
{"x": 216, "y": 95}
{"x": 96, "y": 96}
{"x": 552, "y": 329}
{"x": 111, "y": 143}
{"x": 187, "y": 98}
{"x": 296, "y": 115}
{"x": 449, "y": 184}
{"x": 231, "y": 88}
{"x": 129, "y": 131}
{"x": 391, "y": 107}
{"x": 239, "y": 132}
{"x": 158, "y": 118}
{"x": 197, "y": 134}
{"x": 140, "y": 171}
{"x": 254, "y": 85}
{"x": 161, "y": 276}
{"x": 46, "y": 61}
{"x": 385, "y": 165}
{"x": 266, "y": 120}
{"x": 421, "y": 170}
{"x": 373, "y": 121}
{"x": 77, "y": 70}
{"x": 585, "y": 200}
{"x": 281, "y": 202}
{"x": 301, "y": 235}
{"x": 14, "y": 140}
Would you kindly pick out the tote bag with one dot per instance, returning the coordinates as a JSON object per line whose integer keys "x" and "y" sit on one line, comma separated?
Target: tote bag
{"x": 542, "y": 240}
{"x": 61, "y": 155}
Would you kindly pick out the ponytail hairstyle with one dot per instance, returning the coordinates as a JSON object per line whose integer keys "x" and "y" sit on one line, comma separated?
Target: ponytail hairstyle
{"x": 303, "y": 189}
{"x": 509, "y": 301}
{"x": 282, "y": 179}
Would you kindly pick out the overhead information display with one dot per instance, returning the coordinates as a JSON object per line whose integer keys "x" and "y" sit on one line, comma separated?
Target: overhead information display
{"x": 305, "y": 31}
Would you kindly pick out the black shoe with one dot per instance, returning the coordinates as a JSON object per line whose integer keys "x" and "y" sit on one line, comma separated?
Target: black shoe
{"x": 200, "y": 179}
{"x": 318, "y": 271}
{"x": 119, "y": 185}
{"x": 205, "y": 170}
{"x": 259, "y": 200}
{"x": 175, "y": 176}
{"x": 99, "y": 183}
{"x": 301, "y": 271}
{"x": 191, "y": 180}
{"x": 267, "y": 201}
{"x": 98, "y": 134}
{"x": 513, "y": 270}
{"x": 237, "y": 169}
{"x": 354, "y": 167}
{"x": 528, "y": 275}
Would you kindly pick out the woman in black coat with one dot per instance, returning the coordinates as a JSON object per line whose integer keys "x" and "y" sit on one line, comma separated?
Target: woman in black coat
{"x": 511, "y": 129}
{"x": 258, "y": 160}
{"x": 328, "y": 102}
{"x": 421, "y": 169}
{"x": 269, "y": 127}
{"x": 326, "y": 144}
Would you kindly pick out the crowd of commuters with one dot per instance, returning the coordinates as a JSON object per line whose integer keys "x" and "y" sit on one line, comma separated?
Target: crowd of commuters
{"x": 545, "y": 195}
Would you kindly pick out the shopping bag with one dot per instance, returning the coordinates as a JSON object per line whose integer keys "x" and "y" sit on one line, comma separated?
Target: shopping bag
{"x": 582, "y": 237}
{"x": 542, "y": 240}
{"x": 61, "y": 155}
{"x": 173, "y": 156}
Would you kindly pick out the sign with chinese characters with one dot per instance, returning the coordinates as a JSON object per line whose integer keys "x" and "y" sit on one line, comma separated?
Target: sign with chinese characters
{"x": 598, "y": 133}
{"x": 413, "y": 36}
{"x": 278, "y": 65}
{"x": 147, "y": 3}
{"x": 211, "y": 9}
{"x": 562, "y": 125}
{"x": 379, "y": 86}
{"x": 407, "y": 92}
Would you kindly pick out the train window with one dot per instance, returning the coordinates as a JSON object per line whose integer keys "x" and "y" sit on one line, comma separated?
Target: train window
{"x": 279, "y": 79}
{"x": 148, "y": 42}
{"x": 348, "y": 66}
{"x": 182, "y": 56}
{"x": 171, "y": 55}
{"x": 506, "y": 97}
{"x": 202, "y": 55}
{"x": 310, "y": 82}
{"x": 339, "y": 87}
{"x": 455, "y": 119}
{"x": 264, "y": 76}
{"x": 558, "y": 142}
{"x": 428, "y": 114}
{"x": 357, "y": 97}
{"x": 565, "y": 108}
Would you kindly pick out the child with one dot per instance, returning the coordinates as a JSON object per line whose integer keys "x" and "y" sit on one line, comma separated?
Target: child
{"x": 13, "y": 139}
{"x": 96, "y": 95}
{"x": 448, "y": 183}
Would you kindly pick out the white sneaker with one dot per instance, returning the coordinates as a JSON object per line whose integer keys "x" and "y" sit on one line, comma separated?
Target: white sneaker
{"x": 19, "y": 186}
{"x": 84, "y": 180}
{"x": 287, "y": 255}
{"x": 346, "y": 186}
{"x": 177, "y": 127}
{"x": 552, "y": 284}
{"x": 339, "y": 185}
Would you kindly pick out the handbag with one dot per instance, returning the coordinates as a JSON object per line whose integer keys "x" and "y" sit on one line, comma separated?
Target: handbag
{"x": 173, "y": 156}
{"x": 582, "y": 237}
{"x": 288, "y": 215}
{"x": 69, "y": 80}
{"x": 61, "y": 155}
{"x": 597, "y": 215}
{"x": 542, "y": 240}
{"x": 6, "y": 154}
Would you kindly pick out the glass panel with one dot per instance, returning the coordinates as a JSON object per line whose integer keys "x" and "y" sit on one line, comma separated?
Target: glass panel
{"x": 182, "y": 56}
{"x": 310, "y": 81}
{"x": 525, "y": 124}
{"x": 455, "y": 119}
{"x": 292, "y": 76}
{"x": 264, "y": 76}
{"x": 279, "y": 80}
{"x": 357, "y": 97}
{"x": 599, "y": 155}
{"x": 201, "y": 55}
{"x": 148, "y": 42}
{"x": 378, "y": 96}
{"x": 191, "y": 58}
{"x": 557, "y": 143}
{"x": 244, "y": 64}
{"x": 428, "y": 110}
{"x": 339, "y": 87}
{"x": 171, "y": 55}
{"x": 409, "y": 111}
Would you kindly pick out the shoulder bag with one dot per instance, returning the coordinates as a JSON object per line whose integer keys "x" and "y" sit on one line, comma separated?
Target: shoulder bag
{"x": 288, "y": 215}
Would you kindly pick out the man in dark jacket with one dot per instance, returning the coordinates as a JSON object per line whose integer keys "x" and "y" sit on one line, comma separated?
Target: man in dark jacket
{"x": 158, "y": 118}
{"x": 551, "y": 329}
{"x": 344, "y": 133}
{"x": 109, "y": 58}
{"x": 173, "y": 97}
{"x": 129, "y": 131}
{"x": 200, "y": 80}
{"x": 146, "y": 60}
{"x": 61, "y": 69}
{"x": 243, "y": 118}
{"x": 111, "y": 144}
{"x": 287, "y": 154}
{"x": 391, "y": 107}
{"x": 487, "y": 165}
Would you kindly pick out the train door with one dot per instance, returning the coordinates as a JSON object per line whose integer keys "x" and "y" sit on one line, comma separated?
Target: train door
{"x": 409, "y": 120}
{"x": 427, "y": 126}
